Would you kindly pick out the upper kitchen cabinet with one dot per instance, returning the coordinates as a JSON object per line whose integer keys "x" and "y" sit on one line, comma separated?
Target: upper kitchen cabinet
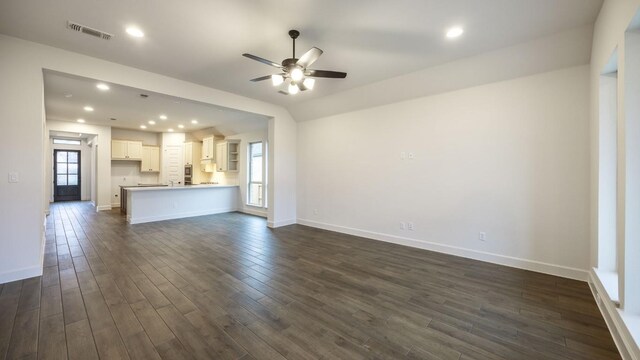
{"x": 150, "y": 159}
{"x": 227, "y": 155}
{"x": 208, "y": 148}
{"x": 192, "y": 152}
{"x": 126, "y": 150}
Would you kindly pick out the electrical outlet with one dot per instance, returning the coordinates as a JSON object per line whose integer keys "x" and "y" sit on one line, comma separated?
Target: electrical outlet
{"x": 482, "y": 236}
{"x": 411, "y": 156}
{"x": 410, "y": 226}
{"x": 13, "y": 177}
{"x": 315, "y": 211}
{"x": 402, "y": 225}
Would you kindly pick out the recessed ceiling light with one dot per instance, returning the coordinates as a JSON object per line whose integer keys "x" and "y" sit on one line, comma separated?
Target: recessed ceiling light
{"x": 181, "y": 126}
{"x": 163, "y": 117}
{"x": 80, "y": 121}
{"x": 88, "y": 108}
{"x": 454, "y": 32}
{"x": 142, "y": 127}
{"x": 170, "y": 130}
{"x": 151, "y": 122}
{"x": 103, "y": 87}
{"x": 194, "y": 121}
{"x": 135, "y": 32}
{"x": 68, "y": 95}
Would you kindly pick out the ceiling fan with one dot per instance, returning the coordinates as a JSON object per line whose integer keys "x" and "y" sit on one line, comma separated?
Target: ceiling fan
{"x": 295, "y": 71}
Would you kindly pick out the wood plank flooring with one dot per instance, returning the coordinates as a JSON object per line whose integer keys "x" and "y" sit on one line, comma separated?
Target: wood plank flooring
{"x": 227, "y": 287}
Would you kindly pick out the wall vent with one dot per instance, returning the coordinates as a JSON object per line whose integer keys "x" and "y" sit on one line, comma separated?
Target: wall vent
{"x": 89, "y": 31}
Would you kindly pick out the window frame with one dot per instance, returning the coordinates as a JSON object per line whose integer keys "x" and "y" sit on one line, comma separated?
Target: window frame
{"x": 262, "y": 183}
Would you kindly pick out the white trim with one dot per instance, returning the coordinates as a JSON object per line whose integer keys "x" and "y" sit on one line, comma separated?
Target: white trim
{"x": 181, "y": 215}
{"x": 103, "y": 207}
{"x": 20, "y": 274}
{"x": 278, "y": 224}
{"x": 254, "y": 211}
{"x": 115, "y": 205}
{"x": 614, "y": 319}
{"x": 533, "y": 265}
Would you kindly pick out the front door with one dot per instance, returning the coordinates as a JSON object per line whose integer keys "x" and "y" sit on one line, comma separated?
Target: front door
{"x": 66, "y": 182}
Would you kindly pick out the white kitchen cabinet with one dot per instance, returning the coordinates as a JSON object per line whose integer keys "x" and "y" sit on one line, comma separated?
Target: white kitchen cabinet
{"x": 208, "y": 148}
{"x": 192, "y": 152}
{"x": 227, "y": 155}
{"x": 150, "y": 159}
{"x": 126, "y": 150}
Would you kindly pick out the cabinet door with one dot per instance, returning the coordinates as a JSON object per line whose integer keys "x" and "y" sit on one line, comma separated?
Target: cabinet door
{"x": 145, "y": 165}
{"x": 221, "y": 156}
{"x": 134, "y": 150}
{"x": 188, "y": 153}
{"x": 155, "y": 159}
{"x": 118, "y": 149}
{"x": 208, "y": 149}
{"x": 205, "y": 149}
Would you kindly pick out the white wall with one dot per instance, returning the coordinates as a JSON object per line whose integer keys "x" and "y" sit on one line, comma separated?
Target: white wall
{"x": 510, "y": 159}
{"x": 22, "y": 127}
{"x": 241, "y": 177}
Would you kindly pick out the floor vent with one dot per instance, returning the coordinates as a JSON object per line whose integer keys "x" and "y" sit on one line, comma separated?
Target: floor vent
{"x": 89, "y": 31}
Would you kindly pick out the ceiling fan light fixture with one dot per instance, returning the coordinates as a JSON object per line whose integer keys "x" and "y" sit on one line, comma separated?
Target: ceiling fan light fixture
{"x": 277, "y": 80}
{"x": 308, "y": 83}
{"x": 293, "y": 88}
{"x": 296, "y": 74}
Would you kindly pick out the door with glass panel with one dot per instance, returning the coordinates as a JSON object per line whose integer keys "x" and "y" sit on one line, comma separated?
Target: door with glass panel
{"x": 66, "y": 181}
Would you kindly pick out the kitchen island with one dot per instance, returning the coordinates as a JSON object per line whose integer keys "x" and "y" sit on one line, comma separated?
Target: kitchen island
{"x": 147, "y": 204}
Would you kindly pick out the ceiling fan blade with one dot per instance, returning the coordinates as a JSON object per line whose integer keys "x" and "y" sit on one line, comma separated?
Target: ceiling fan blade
{"x": 266, "y": 77}
{"x": 283, "y": 92}
{"x": 326, "y": 74}
{"x": 264, "y": 61}
{"x": 309, "y": 57}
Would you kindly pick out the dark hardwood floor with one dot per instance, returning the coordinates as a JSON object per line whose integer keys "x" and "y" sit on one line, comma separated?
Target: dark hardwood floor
{"x": 227, "y": 287}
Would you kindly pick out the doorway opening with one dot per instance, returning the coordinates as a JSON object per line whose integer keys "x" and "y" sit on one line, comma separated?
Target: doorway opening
{"x": 66, "y": 179}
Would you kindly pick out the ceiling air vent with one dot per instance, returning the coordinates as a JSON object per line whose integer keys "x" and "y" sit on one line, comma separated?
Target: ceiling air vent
{"x": 89, "y": 31}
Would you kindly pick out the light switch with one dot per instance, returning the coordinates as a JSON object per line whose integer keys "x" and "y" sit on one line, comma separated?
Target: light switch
{"x": 403, "y": 155}
{"x": 13, "y": 177}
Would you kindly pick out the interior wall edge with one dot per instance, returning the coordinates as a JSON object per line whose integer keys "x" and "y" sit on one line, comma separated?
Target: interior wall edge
{"x": 616, "y": 325}
{"x": 498, "y": 259}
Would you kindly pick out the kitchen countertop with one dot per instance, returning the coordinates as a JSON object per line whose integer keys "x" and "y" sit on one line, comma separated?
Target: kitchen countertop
{"x": 179, "y": 187}
{"x": 142, "y": 185}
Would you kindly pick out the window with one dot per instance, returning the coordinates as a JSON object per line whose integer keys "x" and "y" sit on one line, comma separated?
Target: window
{"x": 66, "y": 142}
{"x": 256, "y": 191}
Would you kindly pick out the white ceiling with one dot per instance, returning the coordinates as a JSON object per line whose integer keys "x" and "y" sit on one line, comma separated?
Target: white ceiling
{"x": 131, "y": 110}
{"x": 201, "y": 41}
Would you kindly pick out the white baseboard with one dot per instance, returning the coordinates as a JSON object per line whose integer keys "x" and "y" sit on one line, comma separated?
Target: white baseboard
{"x": 253, "y": 211}
{"x": 533, "y": 265}
{"x": 277, "y": 224}
{"x": 115, "y": 205}
{"x": 20, "y": 274}
{"x": 613, "y": 317}
{"x": 180, "y": 215}
{"x": 103, "y": 207}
